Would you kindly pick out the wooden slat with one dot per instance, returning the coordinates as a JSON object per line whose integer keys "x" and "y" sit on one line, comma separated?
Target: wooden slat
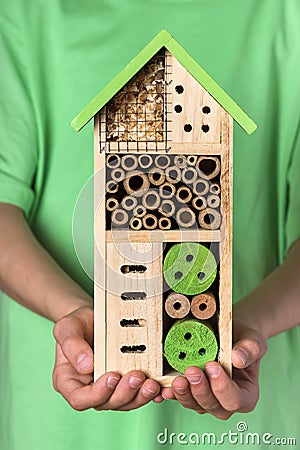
{"x": 225, "y": 289}
{"x": 192, "y": 100}
{"x": 99, "y": 254}
{"x": 164, "y": 236}
{"x": 149, "y": 309}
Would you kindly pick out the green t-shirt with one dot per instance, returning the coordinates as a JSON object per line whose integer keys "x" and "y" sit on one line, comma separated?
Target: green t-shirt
{"x": 55, "y": 57}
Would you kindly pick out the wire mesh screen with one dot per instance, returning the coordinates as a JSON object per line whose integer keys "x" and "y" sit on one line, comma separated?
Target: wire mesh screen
{"x": 137, "y": 113}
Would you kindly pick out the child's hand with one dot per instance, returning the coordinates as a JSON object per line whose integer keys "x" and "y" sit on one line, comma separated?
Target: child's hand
{"x": 214, "y": 391}
{"x": 73, "y": 371}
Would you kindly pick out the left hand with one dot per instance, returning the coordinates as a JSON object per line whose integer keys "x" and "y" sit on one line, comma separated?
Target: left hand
{"x": 213, "y": 391}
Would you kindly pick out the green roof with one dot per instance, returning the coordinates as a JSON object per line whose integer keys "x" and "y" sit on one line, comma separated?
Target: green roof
{"x": 164, "y": 39}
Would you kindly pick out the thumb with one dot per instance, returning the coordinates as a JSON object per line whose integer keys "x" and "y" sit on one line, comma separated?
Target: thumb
{"x": 70, "y": 332}
{"x": 247, "y": 351}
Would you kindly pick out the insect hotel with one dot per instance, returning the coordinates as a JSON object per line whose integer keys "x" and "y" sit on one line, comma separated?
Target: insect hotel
{"x": 163, "y": 215}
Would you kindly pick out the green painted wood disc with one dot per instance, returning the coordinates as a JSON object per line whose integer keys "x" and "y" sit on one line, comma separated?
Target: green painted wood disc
{"x": 190, "y": 343}
{"x": 189, "y": 268}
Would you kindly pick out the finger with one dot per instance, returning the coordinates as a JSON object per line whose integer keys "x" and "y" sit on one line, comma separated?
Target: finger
{"x": 246, "y": 351}
{"x": 147, "y": 392}
{"x": 183, "y": 394}
{"x": 81, "y": 396}
{"x": 225, "y": 390}
{"x": 158, "y": 399}
{"x": 202, "y": 393}
{"x": 70, "y": 332}
{"x": 167, "y": 393}
{"x": 126, "y": 390}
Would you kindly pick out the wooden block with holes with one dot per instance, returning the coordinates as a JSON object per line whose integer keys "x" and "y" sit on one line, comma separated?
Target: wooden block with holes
{"x": 163, "y": 214}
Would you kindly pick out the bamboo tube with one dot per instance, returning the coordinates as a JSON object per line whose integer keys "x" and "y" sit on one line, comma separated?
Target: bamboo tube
{"x": 112, "y": 187}
{"x": 151, "y": 200}
{"x": 210, "y": 166}
{"x": 119, "y": 217}
{"x": 203, "y": 306}
{"x": 183, "y": 194}
{"x": 167, "y": 190}
{"x": 113, "y": 161}
{"x": 177, "y": 305}
{"x": 112, "y": 204}
{"x": 167, "y": 208}
{"x": 162, "y": 161}
{"x": 199, "y": 203}
{"x": 189, "y": 175}
{"x": 129, "y": 203}
{"x": 173, "y": 174}
{"x": 136, "y": 183}
{"x": 145, "y": 161}
{"x": 118, "y": 174}
{"x": 135, "y": 223}
{"x": 214, "y": 188}
{"x": 164, "y": 223}
{"x": 180, "y": 161}
{"x": 201, "y": 186}
{"x": 185, "y": 217}
{"x": 129, "y": 162}
{"x": 156, "y": 176}
{"x": 150, "y": 221}
{"x": 213, "y": 201}
{"x": 209, "y": 219}
{"x": 139, "y": 211}
{"x": 192, "y": 160}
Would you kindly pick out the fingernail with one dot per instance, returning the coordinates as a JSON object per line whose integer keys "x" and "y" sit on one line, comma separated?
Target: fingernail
{"x": 112, "y": 382}
{"x": 134, "y": 382}
{"x": 212, "y": 370}
{"x": 147, "y": 392}
{"x": 182, "y": 390}
{"x": 194, "y": 379}
{"x": 242, "y": 355}
{"x": 84, "y": 361}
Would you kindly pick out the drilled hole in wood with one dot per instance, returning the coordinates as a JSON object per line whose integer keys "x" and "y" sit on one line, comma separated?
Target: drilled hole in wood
{"x": 150, "y": 221}
{"x": 133, "y": 268}
{"x": 202, "y": 351}
{"x": 133, "y": 348}
{"x": 183, "y": 194}
{"x": 187, "y": 336}
{"x": 189, "y": 258}
{"x": 182, "y": 355}
{"x": 164, "y": 222}
{"x": 206, "y": 109}
{"x": 113, "y": 161}
{"x": 178, "y": 108}
{"x": 199, "y": 202}
{"x": 135, "y": 182}
{"x": 179, "y": 89}
{"x": 201, "y": 275}
{"x": 151, "y": 200}
{"x": 118, "y": 174}
{"x": 208, "y": 219}
{"x": 162, "y": 161}
{"x": 205, "y": 128}
{"x": 186, "y": 216}
{"x": 129, "y": 202}
{"x": 189, "y": 174}
{"x": 133, "y": 296}
{"x": 177, "y": 306}
{"x": 202, "y": 306}
{"x": 133, "y": 322}
{"x": 178, "y": 275}
{"x": 156, "y": 176}
{"x": 188, "y": 127}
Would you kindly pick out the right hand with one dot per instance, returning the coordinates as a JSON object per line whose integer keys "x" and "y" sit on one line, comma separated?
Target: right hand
{"x": 74, "y": 365}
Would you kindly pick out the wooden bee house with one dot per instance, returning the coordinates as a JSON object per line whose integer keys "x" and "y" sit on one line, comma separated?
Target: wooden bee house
{"x": 163, "y": 215}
